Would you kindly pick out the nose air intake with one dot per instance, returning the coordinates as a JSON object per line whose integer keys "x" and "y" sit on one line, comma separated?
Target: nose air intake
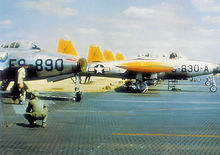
{"x": 216, "y": 70}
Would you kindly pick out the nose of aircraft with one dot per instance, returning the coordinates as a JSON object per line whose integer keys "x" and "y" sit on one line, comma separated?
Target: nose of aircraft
{"x": 217, "y": 69}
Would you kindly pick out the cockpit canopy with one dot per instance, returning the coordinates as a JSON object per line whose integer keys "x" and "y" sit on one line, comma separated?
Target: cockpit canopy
{"x": 151, "y": 55}
{"x": 20, "y": 45}
{"x": 175, "y": 55}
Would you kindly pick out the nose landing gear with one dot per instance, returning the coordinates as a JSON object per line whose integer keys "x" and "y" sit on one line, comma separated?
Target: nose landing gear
{"x": 78, "y": 94}
{"x": 210, "y": 81}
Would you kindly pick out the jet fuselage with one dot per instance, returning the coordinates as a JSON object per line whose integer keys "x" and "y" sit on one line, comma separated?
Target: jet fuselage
{"x": 182, "y": 69}
{"x": 40, "y": 64}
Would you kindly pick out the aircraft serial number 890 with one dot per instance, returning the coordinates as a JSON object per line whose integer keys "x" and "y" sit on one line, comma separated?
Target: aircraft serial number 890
{"x": 48, "y": 64}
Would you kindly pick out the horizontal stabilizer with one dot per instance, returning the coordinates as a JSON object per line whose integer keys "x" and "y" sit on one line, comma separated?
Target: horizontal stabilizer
{"x": 66, "y": 47}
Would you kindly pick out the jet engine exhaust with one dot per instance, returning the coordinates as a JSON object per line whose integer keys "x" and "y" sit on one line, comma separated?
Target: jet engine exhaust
{"x": 82, "y": 64}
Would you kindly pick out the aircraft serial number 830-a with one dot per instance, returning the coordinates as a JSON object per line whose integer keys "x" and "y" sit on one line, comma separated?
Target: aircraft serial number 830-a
{"x": 41, "y": 64}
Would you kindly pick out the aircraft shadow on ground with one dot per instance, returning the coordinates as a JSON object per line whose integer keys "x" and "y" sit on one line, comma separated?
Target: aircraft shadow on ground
{"x": 123, "y": 89}
{"x": 57, "y": 98}
{"x": 7, "y": 98}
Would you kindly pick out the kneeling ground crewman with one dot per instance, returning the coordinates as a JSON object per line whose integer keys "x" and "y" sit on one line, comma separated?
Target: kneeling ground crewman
{"x": 36, "y": 111}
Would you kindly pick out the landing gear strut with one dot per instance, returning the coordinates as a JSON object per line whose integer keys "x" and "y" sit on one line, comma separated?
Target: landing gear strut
{"x": 172, "y": 85}
{"x": 140, "y": 83}
{"x": 78, "y": 94}
{"x": 211, "y": 82}
{"x": 142, "y": 86}
{"x": 208, "y": 81}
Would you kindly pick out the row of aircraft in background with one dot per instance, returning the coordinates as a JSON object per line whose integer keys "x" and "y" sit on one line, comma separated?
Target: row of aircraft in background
{"x": 146, "y": 69}
{"x": 66, "y": 63}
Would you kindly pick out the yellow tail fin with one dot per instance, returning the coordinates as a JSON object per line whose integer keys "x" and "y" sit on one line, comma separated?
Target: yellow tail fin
{"x": 95, "y": 54}
{"x": 119, "y": 56}
{"x": 109, "y": 56}
{"x": 65, "y": 46}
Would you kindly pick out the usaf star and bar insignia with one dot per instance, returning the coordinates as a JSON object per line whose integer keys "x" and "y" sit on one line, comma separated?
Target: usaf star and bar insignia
{"x": 99, "y": 69}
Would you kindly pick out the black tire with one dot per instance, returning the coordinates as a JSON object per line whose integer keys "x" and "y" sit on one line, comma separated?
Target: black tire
{"x": 142, "y": 86}
{"x": 78, "y": 96}
{"x": 213, "y": 88}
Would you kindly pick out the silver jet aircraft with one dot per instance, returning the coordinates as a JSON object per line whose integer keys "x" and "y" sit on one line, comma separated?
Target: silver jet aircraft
{"x": 147, "y": 70}
{"x": 41, "y": 64}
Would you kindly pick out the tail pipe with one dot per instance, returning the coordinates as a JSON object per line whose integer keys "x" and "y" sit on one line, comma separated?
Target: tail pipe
{"x": 82, "y": 64}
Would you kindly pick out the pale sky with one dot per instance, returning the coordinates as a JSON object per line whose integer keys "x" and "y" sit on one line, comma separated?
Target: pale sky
{"x": 191, "y": 27}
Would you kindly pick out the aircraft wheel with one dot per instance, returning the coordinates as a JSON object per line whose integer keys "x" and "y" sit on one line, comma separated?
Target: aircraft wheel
{"x": 78, "y": 97}
{"x": 208, "y": 83}
{"x": 213, "y": 88}
{"x": 142, "y": 86}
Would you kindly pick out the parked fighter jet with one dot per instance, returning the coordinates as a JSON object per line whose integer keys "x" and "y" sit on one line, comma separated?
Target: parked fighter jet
{"x": 138, "y": 69}
{"x": 147, "y": 70}
{"x": 41, "y": 64}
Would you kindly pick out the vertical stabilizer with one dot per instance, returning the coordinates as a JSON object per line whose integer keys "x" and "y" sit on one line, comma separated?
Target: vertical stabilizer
{"x": 120, "y": 57}
{"x": 66, "y": 47}
{"x": 95, "y": 54}
{"x": 109, "y": 56}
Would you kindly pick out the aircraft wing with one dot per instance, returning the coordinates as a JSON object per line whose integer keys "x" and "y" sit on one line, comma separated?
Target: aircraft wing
{"x": 60, "y": 77}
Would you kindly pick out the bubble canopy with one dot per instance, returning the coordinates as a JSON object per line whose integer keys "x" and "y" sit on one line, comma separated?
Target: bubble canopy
{"x": 20, "y": 45}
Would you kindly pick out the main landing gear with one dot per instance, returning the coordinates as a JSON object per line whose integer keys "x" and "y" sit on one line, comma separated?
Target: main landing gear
{"x": 172, "y": 85}
{"x": 78, "y": 94}
{"x": 137, "y": 86}
{"x": 140, "y": 85}
{"x": 210, "y": 81}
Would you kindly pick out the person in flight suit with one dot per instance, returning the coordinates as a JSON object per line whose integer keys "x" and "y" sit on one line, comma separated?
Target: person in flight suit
{"x": 36, "y": 111}
{"x": 21, "y": 85}
{"x": 19, "y": 88}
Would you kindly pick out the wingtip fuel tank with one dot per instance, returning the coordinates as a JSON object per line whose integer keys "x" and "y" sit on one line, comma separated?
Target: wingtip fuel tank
{"x": 146, "y": 66}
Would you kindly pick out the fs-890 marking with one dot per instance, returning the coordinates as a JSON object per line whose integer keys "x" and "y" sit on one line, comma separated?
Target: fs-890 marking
{"x": 47, "y": 64}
